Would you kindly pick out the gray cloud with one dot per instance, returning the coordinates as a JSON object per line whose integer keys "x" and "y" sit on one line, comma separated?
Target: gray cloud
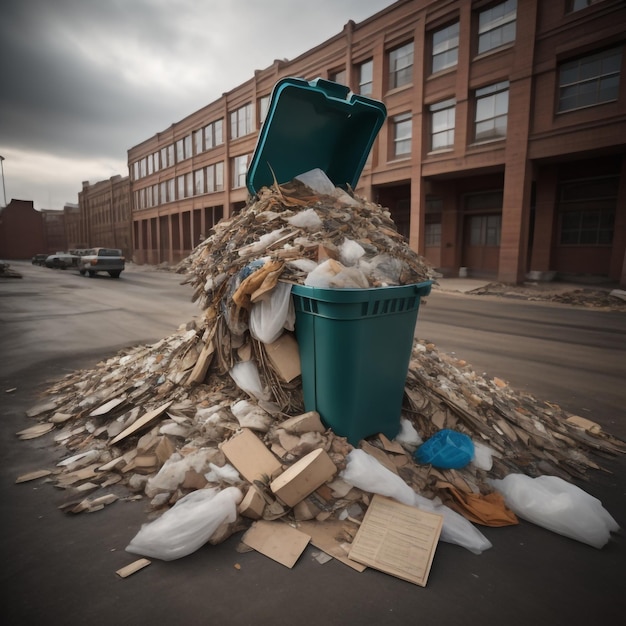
{"x": 88, "y": 79}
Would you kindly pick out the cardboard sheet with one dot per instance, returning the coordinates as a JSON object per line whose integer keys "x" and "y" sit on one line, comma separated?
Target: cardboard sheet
{"x": 277, "y": 540}
{"x": 397, "y": 539}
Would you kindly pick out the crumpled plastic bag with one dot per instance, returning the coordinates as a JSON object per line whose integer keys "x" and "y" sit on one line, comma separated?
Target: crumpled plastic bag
{"x": 246, "y": 377}
{"x": 365, "y": 472}
{"x": 408, "y": 437}
{"x": 272, "y": 313}
{"x": 446, "y": 449}
{"x": 559, "y": 506}
{"x": 350, "y": 252}
{"x": 188, "y": 525}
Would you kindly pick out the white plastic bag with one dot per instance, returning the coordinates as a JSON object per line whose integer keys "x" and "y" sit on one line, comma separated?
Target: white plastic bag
{"x": 251, "y": 415}
{"x": 272, "y": 313}
{"x": 366, "y": 473}
{"x": 188, "y": 525}
{"x": 408, "y": 436}
{"x": 350, "y": 252}
{"x": 307, "y": 219}
{"x": 246, "y": 376}
{"x": 482, "y": 456}
{"x": 559, "y": 506}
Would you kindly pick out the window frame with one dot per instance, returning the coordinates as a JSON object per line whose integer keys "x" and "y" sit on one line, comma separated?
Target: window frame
{"x": 241, "y": 121}
{"x": 444, "y": 50}
{"x": 398, "y": 122}
{"x": 400, "y": 74}
{"x": 370, "y": 82}
{"x": 435, "y": 109}
{"x": 495, "y": 26}
{"x": 481, "y": 95}
{"x": 578, "y": 85}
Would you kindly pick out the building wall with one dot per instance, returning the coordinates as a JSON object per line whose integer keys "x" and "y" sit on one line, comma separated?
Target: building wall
{"x": 105, "y": 215}
{"x": 54, "y": 230}
{"x": 485, "y": 196}
{"x": 21, "y": 231}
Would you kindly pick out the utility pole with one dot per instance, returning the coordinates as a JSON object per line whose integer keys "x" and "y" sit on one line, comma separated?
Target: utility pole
{"x": 4, "y": 191}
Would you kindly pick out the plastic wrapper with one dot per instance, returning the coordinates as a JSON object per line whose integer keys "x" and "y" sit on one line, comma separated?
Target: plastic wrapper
{"x": 307, "y": 219}
{"x": 317, "y": 180}
{"x": 350, "y": 252}
{"x": 250, "y": 415}
{"x": 188, "y": 525}
{"x": 246, "y": 376}
{"x": 172, "y": 474}
{"x": 559, "y": 506}
{"x": 483, "y": 456}
{"x": 366, "y": 473}
{"x": 272, "y": 313}
{"x": 408, "y": 436}
{"x": 225, "y": 473}
{"x": 447, "y": 449}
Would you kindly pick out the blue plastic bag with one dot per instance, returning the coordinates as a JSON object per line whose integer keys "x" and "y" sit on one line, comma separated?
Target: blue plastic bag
{"x": 447, "y": 449}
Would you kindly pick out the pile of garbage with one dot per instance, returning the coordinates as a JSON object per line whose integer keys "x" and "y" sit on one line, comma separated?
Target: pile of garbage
{"x": 209, "y": 425}
{"x": 595, "y": 298}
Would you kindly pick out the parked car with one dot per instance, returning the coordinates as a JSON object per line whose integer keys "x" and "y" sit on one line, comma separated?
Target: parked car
{"x": 60, "y": 260}
{"x": 39, "y": 259}
{"x": 96, "y": 260}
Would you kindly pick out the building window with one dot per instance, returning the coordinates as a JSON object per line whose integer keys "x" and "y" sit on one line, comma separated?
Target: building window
{"x": 198, "y": 141}
{"x": 576, "y": 5}
{"x": 264, "y": 105}
{"x": 485, "y": 230}
{"x": 136, "y": 170}
{"x": 432, "y": 231}
{"x": 180, "y": 151}
{"x": 149, "y": 202}
{"x": 445, "y": 47}
{"x": 401, "y": 66}
{"x": 215, "y": 177}
{"x": 155, "y": 194}
{"x": 402, "y": 133}
{"x": 170, "y": 155}
{"x": 587, "y": 211}
{"x": 590, "y": 80}
{"x": 188, "y": 185}
{"x": 164, "y": 197}
{"x": 442, "y": 124}
{"x": 492, "y": 106}
{"x": 496, "y": 26}
{"x": 366, "y": 78}
{"x": 164, "y": 162}
{"x": 240, "y": 167}
{"x": 187, "y": 146}
{"x": 150, "y": 164}
{"x": 241, "y": 121}
{"x": 338, "y": 76}
{"x": 213, "y": 135}
{"x": 198, "y": 182}
{"x": 180, "y": 187}
{"x": 142, "y": 168}
{"x": 171, "y": 191}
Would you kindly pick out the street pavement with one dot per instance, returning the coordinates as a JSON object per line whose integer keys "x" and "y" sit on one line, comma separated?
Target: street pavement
{"x": 61, "y": 569}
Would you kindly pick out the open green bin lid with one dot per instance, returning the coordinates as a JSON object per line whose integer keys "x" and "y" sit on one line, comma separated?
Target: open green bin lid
{"x": 314, "y": 124}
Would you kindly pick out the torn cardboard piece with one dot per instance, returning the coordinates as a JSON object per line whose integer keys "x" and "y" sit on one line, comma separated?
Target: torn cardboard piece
{"x": 277, "y": 540}
{"x": 250, "y": 457}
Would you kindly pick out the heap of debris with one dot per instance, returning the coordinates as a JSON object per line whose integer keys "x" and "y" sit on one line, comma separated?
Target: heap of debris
{"x": 168, "y": 418}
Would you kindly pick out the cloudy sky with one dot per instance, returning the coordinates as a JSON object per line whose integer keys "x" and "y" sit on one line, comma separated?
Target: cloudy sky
{"x": 81, "y": 81}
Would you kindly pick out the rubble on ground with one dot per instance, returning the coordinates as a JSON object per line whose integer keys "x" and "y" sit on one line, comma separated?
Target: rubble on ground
{"x": 167, "y": 419}
{"x": 6, "y": 271}
{"x": 590, "y": 297}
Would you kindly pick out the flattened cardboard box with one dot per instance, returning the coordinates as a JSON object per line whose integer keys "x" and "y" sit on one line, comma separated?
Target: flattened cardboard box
{"x": 397, "y": 539}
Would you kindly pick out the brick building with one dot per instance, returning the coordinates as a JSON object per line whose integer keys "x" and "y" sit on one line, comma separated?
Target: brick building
{"x": 54, "y": 231}
{"x": 504, "y": 149}
{"x": 21, "y": 231}
{"x": 105, "y": 216}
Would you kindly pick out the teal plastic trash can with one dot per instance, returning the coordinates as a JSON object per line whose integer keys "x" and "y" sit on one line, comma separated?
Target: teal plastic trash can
{"x": 355, "y": 346}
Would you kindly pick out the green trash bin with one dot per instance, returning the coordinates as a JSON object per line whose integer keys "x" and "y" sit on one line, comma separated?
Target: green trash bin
{"x": 355, "y": 346}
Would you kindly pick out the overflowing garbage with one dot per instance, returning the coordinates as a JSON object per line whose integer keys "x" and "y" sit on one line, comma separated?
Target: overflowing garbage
{"x": 209, "y": 424}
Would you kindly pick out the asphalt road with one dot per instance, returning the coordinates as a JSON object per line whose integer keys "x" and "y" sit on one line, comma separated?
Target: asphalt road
{"x": 61, "y": 569}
